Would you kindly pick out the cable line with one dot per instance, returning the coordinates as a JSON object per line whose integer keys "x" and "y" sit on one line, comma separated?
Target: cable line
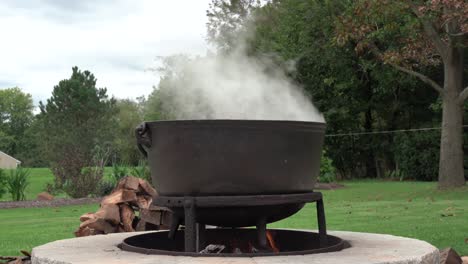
{"x": 385, "y": 132}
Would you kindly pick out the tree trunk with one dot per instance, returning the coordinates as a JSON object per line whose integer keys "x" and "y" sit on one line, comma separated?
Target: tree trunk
{"x": 371, "y": 168}
{"x": 451, "y": 143}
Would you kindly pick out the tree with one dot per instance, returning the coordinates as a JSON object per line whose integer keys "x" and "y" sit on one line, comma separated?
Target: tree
{"x": 226, "y": 21}
{"x": 162, "y": 103}
{"x": 128, "y": 117}
{"x": 425, "y": 34}
{"x": 353, "y": 91}
{"x": 77, "y": 128}
{"x": 16, "y": 115}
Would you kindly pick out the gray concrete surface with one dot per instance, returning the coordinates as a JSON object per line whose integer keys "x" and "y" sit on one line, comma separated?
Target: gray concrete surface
{"x": 366, "y": 248}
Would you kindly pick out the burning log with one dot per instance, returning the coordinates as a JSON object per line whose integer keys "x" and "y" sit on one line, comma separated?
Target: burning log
{"x": 253, "y": 249}
{"x": 117, "y": 211}
{"x": 271, "y": 241}
{"x": 213, "y": 249}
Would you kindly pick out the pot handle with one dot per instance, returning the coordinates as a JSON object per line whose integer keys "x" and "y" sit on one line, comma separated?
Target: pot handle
{"x": 143, "y": 137}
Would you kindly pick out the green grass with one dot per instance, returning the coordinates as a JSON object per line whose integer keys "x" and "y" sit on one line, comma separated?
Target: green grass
{"x": 411, "y": 209}
{"x": 25, "y": 228}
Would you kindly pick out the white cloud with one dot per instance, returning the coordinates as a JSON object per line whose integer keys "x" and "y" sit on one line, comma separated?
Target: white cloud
{"x": 114, "y": 39}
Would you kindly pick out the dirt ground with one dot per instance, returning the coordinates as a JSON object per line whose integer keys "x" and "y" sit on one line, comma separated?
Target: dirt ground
{"x": 53, "y": 203}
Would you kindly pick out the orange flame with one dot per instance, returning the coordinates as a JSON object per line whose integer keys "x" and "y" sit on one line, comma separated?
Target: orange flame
{"x": 271, "y": 241}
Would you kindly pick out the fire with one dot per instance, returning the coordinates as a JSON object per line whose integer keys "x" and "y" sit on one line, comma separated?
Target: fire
{"x": 271, "y": 241}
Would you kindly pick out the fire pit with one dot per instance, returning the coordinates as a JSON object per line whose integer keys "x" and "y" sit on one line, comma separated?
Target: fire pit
{"x": 240, "y": 243}
{"x": 365, "y": 248}
{"x": 196, "y": 240}
{"x": 233, "y": 174}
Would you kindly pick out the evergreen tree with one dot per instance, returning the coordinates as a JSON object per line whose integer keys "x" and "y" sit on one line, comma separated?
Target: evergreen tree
{"x": 77, "y": 124}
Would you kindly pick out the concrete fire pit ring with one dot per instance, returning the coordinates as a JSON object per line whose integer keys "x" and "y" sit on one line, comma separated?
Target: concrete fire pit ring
{"x": 366, "y": 248}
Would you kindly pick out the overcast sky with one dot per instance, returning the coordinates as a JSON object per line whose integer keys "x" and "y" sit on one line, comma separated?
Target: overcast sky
{"x": 41, "y": 40}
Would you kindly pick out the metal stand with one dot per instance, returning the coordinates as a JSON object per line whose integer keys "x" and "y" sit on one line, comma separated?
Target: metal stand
{"x": 194, "y": 232}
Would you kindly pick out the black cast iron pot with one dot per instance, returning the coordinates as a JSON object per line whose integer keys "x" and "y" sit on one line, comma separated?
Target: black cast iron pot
{"x": 233, "y": 157}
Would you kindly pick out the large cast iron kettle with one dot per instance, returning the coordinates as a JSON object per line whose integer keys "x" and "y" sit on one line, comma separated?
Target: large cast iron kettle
{"x": 231, "y": 157}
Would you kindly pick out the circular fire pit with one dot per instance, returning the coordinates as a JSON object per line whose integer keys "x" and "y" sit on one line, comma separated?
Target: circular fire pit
{"x": 234, "y": 243}
{"x": 365, "y": 248}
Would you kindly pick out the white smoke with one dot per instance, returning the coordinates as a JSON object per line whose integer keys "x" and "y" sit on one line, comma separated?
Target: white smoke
{"x": 232, "y": 86}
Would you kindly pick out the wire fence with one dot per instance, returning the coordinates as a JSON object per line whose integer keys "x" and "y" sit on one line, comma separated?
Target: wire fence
{"x": 386, "y": 131}
{"x": 408, "y": 153}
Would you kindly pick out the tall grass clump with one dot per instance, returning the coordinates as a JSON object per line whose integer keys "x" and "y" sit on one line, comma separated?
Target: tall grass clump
{"x": 119, "y": 171}
{"x": 2, "y": 182}
{"x": 327, "y": 170}
{"x": 142, "y": 171}
{"x": 17, "y": 182}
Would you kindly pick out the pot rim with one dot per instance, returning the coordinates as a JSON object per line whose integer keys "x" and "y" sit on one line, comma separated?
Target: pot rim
{"x": 253, "y": 123}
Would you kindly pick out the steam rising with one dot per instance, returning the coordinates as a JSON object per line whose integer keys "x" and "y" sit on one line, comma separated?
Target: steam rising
{"x": 232, "y": 86}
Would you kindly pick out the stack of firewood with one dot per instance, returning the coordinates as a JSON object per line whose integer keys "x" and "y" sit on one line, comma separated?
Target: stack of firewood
{"x": 128, "y": 208}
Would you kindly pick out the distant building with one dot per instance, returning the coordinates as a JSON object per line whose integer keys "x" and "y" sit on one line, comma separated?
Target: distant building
{"x": 8, "y": 162}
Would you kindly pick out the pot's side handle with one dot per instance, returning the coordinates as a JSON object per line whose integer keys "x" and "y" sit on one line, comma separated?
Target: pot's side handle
{"x": 143, "y": 137}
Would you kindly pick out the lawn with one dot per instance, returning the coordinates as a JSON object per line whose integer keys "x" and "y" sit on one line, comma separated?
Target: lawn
{"x": 412, "y": 209}
{"x": 25, "y": 228}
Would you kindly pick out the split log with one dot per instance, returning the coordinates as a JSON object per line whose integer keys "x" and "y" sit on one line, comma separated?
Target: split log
{"x": 110, "y": 213}
{"x": 98, "y": 224}
{"x": 160, "y": 216}
{"x": 144, "y": 201}
{"x": 15, "y": 260}
{"x": 81, "y": 232}
{"x": 86, "y": 231}
{"x": 144, "y": 186}
{"x": 127, "y": 215}
{"x": 117, "y": 211}
{"x": 166, "y": 217}
{"x": 119, "y": 196}
{"x": 450, "y": 256}
{"x": 120, "y": 229}
{"x": 150, "y": 227}
{"x": 87, "y": 216}
{"x": 129, "y": 182}
{"x": 141, "y": 226}
{"x": 135, "y": 222}
{"x": 464, "y": 259}
{"x": 149, "y": 216}
{"x": 144, "y": 226}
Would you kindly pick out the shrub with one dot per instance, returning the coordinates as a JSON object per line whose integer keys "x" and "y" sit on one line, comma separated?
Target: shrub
{"x": 142, "y": 171}
{"x": 17, "y": 182}
{"x": 327, "y": 170}
{"x": 2, "y": 182}
{"x": 395, "y": 175}
{"x": 85, "y": 181}
{"x": 85, "y": 184}
{"x": 52, "y": 189}
{"x": 105, "y": 187}
{"x": 119, "y": 171}
{"x": 417, "y": 155}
